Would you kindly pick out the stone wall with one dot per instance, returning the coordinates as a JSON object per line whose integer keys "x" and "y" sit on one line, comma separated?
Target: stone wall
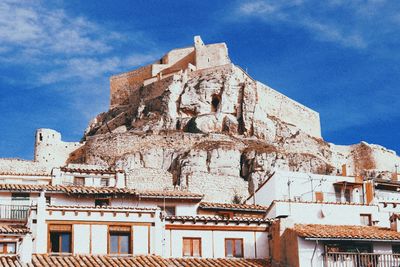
{"x": 19, "y": 166}
{"x": 123, "y": 87}
{"x": 208, "y": 56}
{"x": 51, "y": 151}
{"x": 280, "y": 106}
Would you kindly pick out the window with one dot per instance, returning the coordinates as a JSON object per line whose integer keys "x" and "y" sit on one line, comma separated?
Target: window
{"x": 191, "y": 247}
{"x": 366, "y": 219}
{"x": 396, "y": 249}
{"x": 170, "y": 211}
{"x": 60, "y": 238}
{"x": 102, "y": 202}
{"x": 105, "y": 182}
{"x": 79, "y": 181}
{"x": 347, "y": 195}
{"x": 338, "y": 194}
{"x": 7, "y": 248}
{"x": 234, "y": 247}
{"x": 48, "y": 200}
{"x": 349, "y": 247}
{"x": 120, "y": 240}
{"x": 20, "y": 196}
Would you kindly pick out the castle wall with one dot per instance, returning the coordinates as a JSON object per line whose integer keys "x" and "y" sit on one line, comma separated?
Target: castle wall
{"x": 176, "y": 55}
{"x": 50, "y": 150}
{"x": 280, "y": 106}
{"x": 123, "y": 87}
{"x": 212, "y": 55}
{"x": 18, "y": 166}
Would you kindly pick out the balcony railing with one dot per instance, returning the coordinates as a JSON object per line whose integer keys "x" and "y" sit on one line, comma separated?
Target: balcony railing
{"x": 14, "y": 212}
{"x": 344, "y": 259}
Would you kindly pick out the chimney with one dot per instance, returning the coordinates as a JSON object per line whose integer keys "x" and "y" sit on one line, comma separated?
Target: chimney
{"x": 344, "y": 170}
{"x": 394, "y": 177}
{"x": 394, "y": 222}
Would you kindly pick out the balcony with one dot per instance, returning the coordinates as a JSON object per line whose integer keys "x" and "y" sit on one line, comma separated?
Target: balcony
{"x": 14, "y": 212}
{"x": 336, "y": 259}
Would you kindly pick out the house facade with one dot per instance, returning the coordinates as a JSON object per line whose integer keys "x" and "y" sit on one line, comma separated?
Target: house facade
{"x": 326, "y": 220}
{"x": 91, "y": 212}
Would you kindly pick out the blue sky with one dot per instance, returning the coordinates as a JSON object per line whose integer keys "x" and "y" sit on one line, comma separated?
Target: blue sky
{"x": 340, "y": 58}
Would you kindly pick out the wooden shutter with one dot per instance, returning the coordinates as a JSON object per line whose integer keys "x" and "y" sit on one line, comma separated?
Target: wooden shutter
{"x": 369, "y": 191}
{"x": 319, "y": 196}
{"x": 120, "y": 229}
{"x": 60, "y": 227}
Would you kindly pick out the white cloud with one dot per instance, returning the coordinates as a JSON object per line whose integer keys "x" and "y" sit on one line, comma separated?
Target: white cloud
{"x": 358, "y": 24}
{"x": 61, "y": 46}
{"x": 67, "y": 55}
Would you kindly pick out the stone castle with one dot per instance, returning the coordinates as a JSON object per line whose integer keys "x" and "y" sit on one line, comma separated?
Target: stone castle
{"x": 195, "y": 121}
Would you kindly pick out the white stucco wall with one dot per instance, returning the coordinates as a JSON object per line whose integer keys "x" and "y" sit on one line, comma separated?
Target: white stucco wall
{"x": 302, "y": 186}
{"x": 318, "y": 213}
{"x": 255, "y": 244}
{"x": 310, "y": 253}
{"x": 99, "y": 239}
{"x": 141, "y": 240}
{"x": 81, "y": 237}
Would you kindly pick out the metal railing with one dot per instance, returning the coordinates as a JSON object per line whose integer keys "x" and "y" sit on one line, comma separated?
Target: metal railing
{"x": 345, "y": 259}
{"x": 14, "y": 212}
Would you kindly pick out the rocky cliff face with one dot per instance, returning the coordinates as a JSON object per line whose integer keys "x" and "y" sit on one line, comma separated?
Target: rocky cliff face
{"x": 219, "y": 132}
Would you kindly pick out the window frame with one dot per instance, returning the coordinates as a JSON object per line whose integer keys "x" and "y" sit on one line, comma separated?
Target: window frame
{"x": 106, "y": 182}
{"x": 130, "y": 239}
{"x": 108, "y": 200}
{"x": 82, "y": 180}
{"x": 64, "y": 229}
{"x": 169, "y": 208}
{"x": 396, "y": 249}
{"x": 234, "y": 247}
{"x": 25, "y": 197}
{"x": 5, "y": 246}
{"x": 364, "y": 215}
{"x": 191, "y": 239}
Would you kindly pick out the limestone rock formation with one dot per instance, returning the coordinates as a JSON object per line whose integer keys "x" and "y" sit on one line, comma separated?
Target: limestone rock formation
{"x": 195, "y": 120}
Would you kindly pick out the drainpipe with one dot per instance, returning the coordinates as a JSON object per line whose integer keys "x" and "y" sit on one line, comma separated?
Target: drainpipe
{"x": 315, "y": 249}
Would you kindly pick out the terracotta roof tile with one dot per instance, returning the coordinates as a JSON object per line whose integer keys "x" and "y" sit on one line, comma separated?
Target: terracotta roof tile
{"x": 173, "y": 194}
{"x": 228, "y": 206}
{"x": 176, "y": 194}
{"x": 98, "y": 208}
{"x": 94, "y": 171}
{"x": 345, "y": 232}
{"x": 133, "y": 261}
{"x": 13, "y": 229}
{"x": 324, "y": 202}
{"x": 206, "y": 219}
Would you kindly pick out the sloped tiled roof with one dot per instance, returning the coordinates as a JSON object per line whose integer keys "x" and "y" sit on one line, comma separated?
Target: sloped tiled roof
{"x": 229, "y": 206}
{"x": 135, "y": 261}
{"x": 176, "y": 194}
{"x": 13, "y": 229}
{"x": 345, "y": 232}
{"x": 206, "y": 219}
{"x": 91, "y": 190}
{"x": 65, "y": 189}
{"x": 91, "y": 170}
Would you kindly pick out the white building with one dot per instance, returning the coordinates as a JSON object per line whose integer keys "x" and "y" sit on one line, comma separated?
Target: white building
{"x": 90, "y": 211}
{"x": 329, "y": 220}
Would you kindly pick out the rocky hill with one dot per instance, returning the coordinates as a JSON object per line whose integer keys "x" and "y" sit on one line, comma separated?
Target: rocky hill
{"x": 196, "y": 121}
